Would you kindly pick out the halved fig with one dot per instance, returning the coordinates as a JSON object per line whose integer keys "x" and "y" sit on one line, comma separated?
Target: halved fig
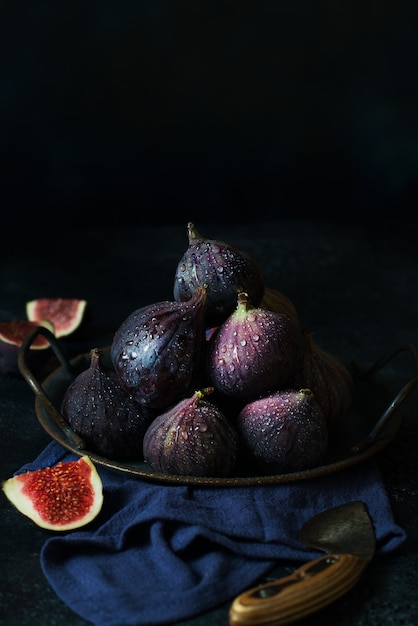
{"x": 65, "y": 496}
{"x": 66, "y": 314}
{"x": 12, "y": 335}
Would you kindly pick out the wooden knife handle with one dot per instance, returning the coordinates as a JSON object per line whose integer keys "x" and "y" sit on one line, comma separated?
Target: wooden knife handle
{"x": 308, "y": 589}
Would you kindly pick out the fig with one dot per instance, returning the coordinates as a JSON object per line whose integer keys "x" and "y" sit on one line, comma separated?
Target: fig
{"x": 157, "y": 350}
{"x": 99, "y": 409}
{"x": 275, "y": 300}
{"x": 283, "y": 432}
{"x": 223, "y": 269}
{"x": 330, "y": 380}
{"x": 67, "y": 314}
{"x": 66, "y": 496}
{"x": 12, "y": 335}
{"x": 254, "y": 352}
{"x": 193, "y": 438}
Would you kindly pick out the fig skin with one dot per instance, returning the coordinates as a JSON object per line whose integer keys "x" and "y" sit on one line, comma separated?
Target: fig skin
{"x": 283, "y": 432}
{"x": 99, "y": 409}
{"x": 193, "y": 438}
{"x": 223, "y": 269}
{"x": 274, "y": 300}
{"x": 330, "y": 380}
{"x": 157, "y": 350}
{"x": 12, "y": 335}
{"x": 254, "y": 352}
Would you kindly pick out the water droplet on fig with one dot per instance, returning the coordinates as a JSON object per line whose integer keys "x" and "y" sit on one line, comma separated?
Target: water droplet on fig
{"x": 221, "y": 268}
{"x": 99, "y": 409}
{"x": 254, "y": 352}
{"x": 165, "y": 361}
{"x": 192, "y": 438}
{"x": 285, "y": 432}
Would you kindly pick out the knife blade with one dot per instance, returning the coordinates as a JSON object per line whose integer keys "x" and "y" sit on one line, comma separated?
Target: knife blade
{"x": 346, "y": 534}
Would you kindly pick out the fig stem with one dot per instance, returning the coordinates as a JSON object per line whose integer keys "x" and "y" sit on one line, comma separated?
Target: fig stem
{"x": 193, "y": 233}
{"x": 201, "y": 393}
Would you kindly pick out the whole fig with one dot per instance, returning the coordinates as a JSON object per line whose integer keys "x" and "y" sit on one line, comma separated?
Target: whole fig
{"x": 223, "y": 269}
{"x": 193, "y": 438}
{"x": 254, "y": 352}
{"x": 283, "y": 432}
{"x": 156, "y": 351}
{"x": 103, "y": 413}
{"x": 330, "y": 380}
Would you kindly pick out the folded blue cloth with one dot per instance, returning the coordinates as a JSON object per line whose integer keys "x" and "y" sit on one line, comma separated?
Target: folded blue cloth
{"x": 157, "y": 554}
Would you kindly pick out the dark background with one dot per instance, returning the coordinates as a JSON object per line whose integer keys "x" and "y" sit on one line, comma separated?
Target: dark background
{"x": 124, "y": 112}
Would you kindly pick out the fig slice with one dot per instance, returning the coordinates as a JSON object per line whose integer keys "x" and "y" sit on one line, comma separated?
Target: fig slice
{"x": 12, "y": 335}
{"x": 66, "y": 314}
{"x": 62, "y": 497}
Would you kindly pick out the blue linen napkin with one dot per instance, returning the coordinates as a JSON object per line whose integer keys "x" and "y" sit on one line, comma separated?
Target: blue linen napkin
{"x": 157, "y": 554}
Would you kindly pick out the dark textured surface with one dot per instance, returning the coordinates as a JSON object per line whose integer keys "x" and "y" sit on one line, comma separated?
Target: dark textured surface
{"x": 354, "y": 285}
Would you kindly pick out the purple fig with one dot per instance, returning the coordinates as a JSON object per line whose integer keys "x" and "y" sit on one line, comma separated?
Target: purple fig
{"x": 12, "y": 335}
{"x": 254, "y": 352}
{"x": 223, "y": 269}
{"x": 283, "y": 432}
{"x": 193, "y": 438}
{"x": 107, "y": 418}
{"x": 330, "y": 380}
{"x": 275, "y": 300}
{"x": 156, "y": 351}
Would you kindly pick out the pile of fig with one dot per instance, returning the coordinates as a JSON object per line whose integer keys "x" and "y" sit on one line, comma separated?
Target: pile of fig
{"x": 218, "y": 380}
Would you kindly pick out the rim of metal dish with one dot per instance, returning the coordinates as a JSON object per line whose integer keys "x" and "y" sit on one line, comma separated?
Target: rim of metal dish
{"x": 380, "y": 434}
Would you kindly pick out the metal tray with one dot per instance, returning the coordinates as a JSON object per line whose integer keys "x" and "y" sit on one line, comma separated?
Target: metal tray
{"x": 373, "y": 422}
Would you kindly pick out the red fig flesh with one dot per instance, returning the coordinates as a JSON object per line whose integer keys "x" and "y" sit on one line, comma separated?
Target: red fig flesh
{"x": 66, "y": 314}
{"x": 12, "y": 335}
{"x": 66, "y": 496}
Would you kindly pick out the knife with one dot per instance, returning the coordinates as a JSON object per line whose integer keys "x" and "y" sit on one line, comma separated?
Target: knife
{"x": 346, "y": 534}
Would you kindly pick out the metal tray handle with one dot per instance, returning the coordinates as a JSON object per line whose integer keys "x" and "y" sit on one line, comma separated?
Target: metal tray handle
{"x": 398, "y": 400}
{"x": 37, "y": 388}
